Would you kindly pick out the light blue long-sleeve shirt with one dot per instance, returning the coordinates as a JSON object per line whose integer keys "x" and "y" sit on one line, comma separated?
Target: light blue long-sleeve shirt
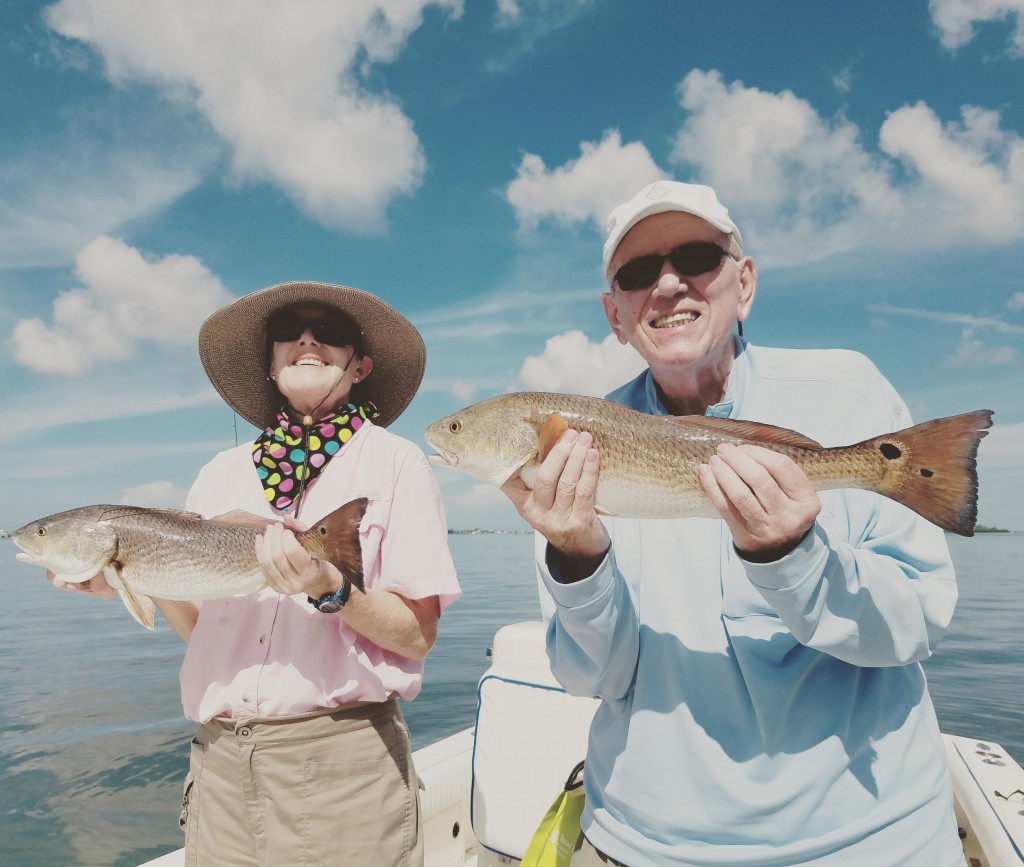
{"x": 767, "y": 714}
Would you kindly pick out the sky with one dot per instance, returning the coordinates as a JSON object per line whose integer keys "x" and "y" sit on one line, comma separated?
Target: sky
{"x": 458, "y": 158}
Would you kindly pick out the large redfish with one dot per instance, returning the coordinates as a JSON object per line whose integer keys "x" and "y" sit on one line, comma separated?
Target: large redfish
{"x": 165, "y": 554}
{"x": 649, "y": 463}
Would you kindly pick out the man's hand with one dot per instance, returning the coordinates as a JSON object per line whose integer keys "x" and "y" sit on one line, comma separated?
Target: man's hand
{"x": 767, "y": 501}
{"x": 561, "y": 506}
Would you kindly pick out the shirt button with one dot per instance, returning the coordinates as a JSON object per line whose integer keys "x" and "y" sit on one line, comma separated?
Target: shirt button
{"x": 263, "y": 638}
{"x": 245, "y": 697}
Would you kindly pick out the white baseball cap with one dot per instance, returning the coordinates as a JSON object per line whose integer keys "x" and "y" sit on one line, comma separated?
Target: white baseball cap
{"x": 662, "y": 196}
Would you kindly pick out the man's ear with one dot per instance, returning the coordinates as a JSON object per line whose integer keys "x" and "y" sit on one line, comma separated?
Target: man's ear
{"x": 611, "y": 313}
{"x": 748, "y": 288}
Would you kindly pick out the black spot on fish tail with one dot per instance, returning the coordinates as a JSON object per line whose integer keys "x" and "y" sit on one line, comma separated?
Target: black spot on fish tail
{"x": 932, "y": 468}
{"x": 336, "y": 539}
{"x": 890, "y": 451}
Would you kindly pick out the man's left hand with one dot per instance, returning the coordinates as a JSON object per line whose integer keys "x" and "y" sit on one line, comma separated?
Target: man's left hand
{"x": 766, "y": 500}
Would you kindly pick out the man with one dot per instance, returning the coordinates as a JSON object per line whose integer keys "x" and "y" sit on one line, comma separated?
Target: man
{"x": 762, "y": 696}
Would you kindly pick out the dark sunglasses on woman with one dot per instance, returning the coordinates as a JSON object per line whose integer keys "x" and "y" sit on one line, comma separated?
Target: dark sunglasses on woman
{"x": 689, "y": 260}
{"x": 329, "y": 330}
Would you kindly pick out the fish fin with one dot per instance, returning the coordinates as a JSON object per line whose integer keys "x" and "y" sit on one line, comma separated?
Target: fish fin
{"x": 554, "y": 426}
{"x": 932, "y": 468}
{"x": 242, "y": 518}
{"x": 755, "y": 431}
{"x": 139, "y": 606}
{"x": 605, "y": 512}
{"x": 337, "y": 536}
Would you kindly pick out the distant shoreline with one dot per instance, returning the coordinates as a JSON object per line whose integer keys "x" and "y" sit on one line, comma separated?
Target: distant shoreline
{"x": 476, "y": 531}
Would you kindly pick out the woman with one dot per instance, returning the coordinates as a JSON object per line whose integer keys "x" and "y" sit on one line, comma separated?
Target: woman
{"x": 302, "y": 755}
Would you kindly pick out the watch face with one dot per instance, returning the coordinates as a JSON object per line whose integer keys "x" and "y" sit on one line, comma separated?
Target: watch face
{"x": 331, "y": 605}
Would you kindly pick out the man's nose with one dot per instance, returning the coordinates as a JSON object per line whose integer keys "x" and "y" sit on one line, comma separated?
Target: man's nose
{"x": 669, "y": 282}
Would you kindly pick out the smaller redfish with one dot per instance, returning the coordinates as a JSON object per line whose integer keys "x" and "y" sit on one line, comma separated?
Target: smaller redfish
{"x": 167, "y": 554}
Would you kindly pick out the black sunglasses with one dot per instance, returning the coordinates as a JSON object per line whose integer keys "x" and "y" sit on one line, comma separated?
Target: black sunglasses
{"x": 330, "y": 330}
{"x": 689, "y": 260}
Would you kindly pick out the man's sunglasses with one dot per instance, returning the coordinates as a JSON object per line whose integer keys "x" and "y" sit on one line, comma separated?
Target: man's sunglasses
{"x": 689, "y": 260}
{"x": 330, "y": 331}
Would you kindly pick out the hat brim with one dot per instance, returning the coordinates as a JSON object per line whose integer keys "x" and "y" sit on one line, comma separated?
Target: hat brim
{"x": 232, "y": 348}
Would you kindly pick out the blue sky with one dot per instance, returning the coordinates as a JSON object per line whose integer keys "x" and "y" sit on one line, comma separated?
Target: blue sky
{"x": 459, "y": 159}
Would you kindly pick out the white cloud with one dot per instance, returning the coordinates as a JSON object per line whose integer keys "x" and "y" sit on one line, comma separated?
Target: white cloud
{"x": 463, "y": 389}
{"x": 584, "y": 189}
{"x": 843, "y": 80}
{"x": 283, "y": 83}
{"x": 53, "y": 202}
{"x": 529, "y": 22}
{"x": 979, "y": 354}
{"x": 509, "y": 12}
{"x": 798, "y": 184}
{"x": 154, "y": 495}
{"x": 965, "y": 319}
{"x": 1001, "y": 447}
{"x": 956, "y": 19}
{"x": 801, "y": 186}
{"x": 1016, "y": 301}
{"x": 969, "y": 175}
{"x": 572, "y": 364}
{"x": 125, "y": 300}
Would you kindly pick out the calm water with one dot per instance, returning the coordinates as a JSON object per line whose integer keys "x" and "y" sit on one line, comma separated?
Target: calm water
{"x": 93, "y": 748}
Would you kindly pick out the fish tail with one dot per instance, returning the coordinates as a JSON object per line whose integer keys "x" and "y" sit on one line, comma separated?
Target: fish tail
{"x": 336, "y": 539}
{"x": 932, "y": 468}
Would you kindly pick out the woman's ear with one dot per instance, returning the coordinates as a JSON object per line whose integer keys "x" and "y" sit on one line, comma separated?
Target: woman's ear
{"x": 363, "y": 368}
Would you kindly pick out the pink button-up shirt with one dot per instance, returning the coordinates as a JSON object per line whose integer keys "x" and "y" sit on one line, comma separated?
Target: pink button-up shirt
{"x": 271, "y": 655}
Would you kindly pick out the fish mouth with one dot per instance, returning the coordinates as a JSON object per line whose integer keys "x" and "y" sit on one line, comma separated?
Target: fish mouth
{"x": 675, "y": 320}
{"x": 443, "y": 458}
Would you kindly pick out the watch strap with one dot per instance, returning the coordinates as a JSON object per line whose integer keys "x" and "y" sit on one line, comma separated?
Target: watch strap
{"x": 333, "y": 602}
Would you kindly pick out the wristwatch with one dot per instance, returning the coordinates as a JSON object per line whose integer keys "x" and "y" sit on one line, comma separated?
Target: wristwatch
{"x": 332, "y": 603}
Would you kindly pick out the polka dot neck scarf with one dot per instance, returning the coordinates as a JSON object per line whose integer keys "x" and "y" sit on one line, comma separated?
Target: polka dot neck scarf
{"x": 291, "y": 455}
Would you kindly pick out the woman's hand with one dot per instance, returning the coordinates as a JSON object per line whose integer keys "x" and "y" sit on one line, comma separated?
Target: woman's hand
{"x": 96, "y": 586}
{"x": 288, "y": 567}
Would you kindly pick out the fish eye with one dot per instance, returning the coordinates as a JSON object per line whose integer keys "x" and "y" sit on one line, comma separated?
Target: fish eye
{"x": 455, "y": 426}
{"x": 41, "y": 531}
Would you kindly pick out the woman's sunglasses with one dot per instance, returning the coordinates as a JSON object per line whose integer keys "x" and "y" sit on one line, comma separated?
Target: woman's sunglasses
{"x": 331, "y": 331}
{"x": 689, "y": 260}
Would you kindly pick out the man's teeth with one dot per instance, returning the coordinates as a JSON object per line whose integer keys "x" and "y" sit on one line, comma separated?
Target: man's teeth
{"x": 307, "y": 362}
{"x": 674, "y": 319}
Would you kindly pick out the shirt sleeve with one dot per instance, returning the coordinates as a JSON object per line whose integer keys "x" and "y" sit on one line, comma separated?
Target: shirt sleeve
{"x": 886, "y": 600}
{"x": 415, "y": 559}
{"x": 593, "y": 638}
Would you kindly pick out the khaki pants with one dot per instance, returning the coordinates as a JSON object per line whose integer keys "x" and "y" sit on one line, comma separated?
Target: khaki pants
{"x": 317, "y": 789}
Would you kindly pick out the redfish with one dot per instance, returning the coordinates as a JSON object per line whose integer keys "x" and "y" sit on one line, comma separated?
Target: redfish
{"x": 166, "y": 554}
{"x": 649, "y": 463}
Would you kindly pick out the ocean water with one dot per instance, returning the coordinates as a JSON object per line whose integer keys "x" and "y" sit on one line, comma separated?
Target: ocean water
{"x": 93, "y": 747}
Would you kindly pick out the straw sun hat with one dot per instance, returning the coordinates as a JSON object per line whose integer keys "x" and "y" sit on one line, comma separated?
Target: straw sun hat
{"x": 233, "y": 349}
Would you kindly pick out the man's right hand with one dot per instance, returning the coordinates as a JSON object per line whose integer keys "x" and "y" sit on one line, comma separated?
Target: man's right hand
{"x": 562, "y": 505}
